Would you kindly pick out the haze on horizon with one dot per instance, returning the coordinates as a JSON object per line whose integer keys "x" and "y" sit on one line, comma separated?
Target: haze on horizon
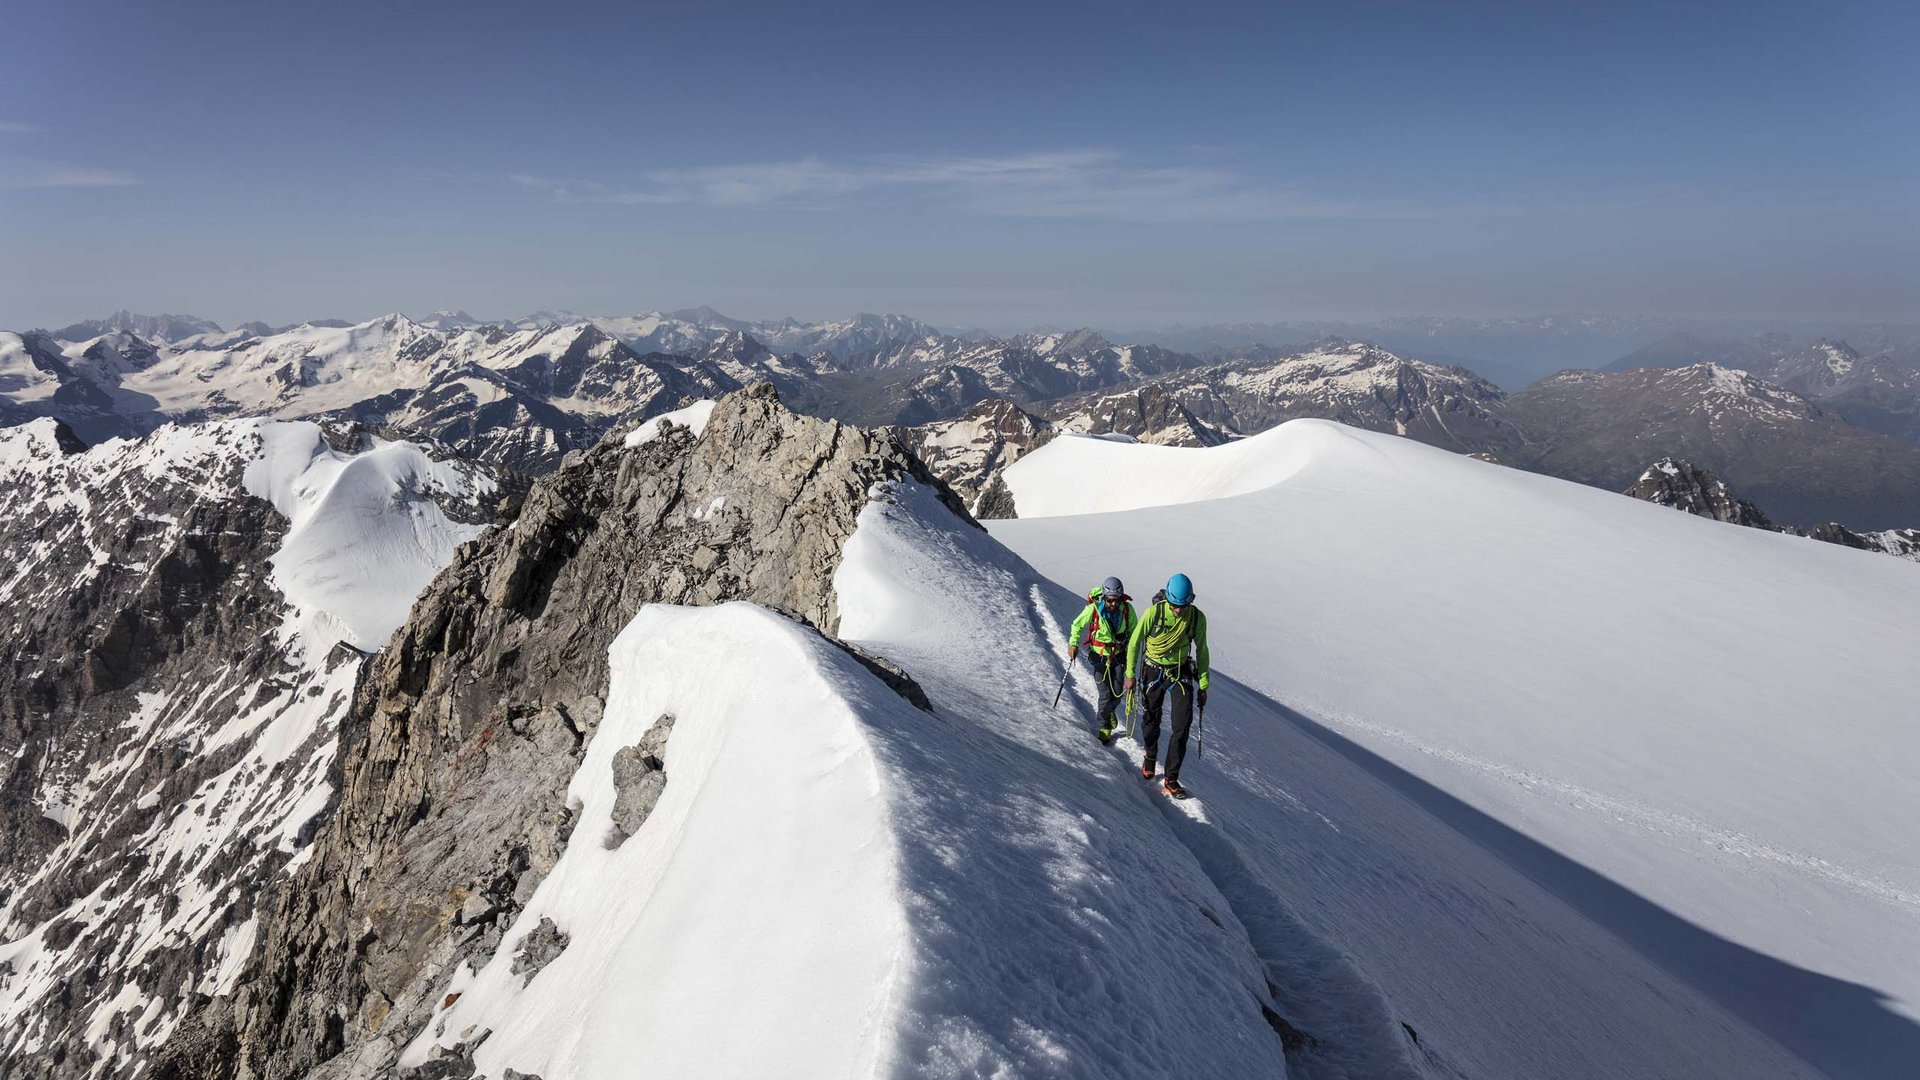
{"x": 997, "y": 166}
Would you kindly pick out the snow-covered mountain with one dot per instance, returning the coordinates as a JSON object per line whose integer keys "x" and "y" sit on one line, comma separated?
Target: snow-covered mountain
{"x": 1151, "y": 414}
{"x": 861, "y": 342}
{"x": 520, "y": 398}
{"x": 1524, "y": 749}
{"x": 969, "y": 452}
{"x": 1790, "y": 455}
{"x": 734, "y": 754}
{"x": 162, "y": 328}
{"x": 1352, "y": 382}
{"x": 187, "y": 616}
{"x": 1027, "y": 368}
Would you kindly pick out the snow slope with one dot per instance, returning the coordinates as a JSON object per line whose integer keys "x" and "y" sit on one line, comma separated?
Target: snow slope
{"x": 365, "y": 531}
{"x": 836, "y": 883}
{"x": 1669, "y": 751}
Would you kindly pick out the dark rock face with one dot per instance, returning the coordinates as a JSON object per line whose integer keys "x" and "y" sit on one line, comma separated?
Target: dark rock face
{"x": 459, "y": 746}
{"x": 163, "y": 750}
{"x": 1685, "y": 486}
{"x": 996, "y": 501}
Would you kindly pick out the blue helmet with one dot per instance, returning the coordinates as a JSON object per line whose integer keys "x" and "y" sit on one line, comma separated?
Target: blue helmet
{"x": 1179, "y": 590}
{"x": 1112, "y": 587}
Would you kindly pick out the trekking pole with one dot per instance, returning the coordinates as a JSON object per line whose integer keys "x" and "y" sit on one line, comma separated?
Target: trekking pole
{"x": 1063, "y": 684}
{"x": 1199, "y": 723}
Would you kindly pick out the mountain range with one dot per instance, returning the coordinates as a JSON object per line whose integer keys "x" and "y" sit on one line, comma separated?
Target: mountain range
{"x": 1818, "y": 430}
{"x": 733, "y": 745}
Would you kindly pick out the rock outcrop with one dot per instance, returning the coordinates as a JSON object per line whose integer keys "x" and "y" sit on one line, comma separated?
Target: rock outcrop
{"x": 1683, "y": 485}
{"x": 460, "y": 743}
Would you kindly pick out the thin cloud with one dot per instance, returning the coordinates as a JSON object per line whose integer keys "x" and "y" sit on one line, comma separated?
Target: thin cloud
{"x": 1061, "y": 184}
{"x": 16, "y": 127}
{"x": 62, "y": 176}
{"x": 1067, "y": 184}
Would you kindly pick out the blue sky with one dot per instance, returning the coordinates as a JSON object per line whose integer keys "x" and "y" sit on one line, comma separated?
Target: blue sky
{"x": 982, "y": 164}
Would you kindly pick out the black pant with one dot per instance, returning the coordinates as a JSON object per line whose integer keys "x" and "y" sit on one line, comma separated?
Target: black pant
{"x": 1160, "y": 686}
{"x": 1110, "y": 672}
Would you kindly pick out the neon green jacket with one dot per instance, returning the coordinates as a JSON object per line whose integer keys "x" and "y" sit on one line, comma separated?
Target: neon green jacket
{"x": 1107, "y": 634}
{"x": 1165, "y": 637}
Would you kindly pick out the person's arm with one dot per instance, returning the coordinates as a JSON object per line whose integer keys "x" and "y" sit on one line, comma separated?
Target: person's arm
{"x": 1200, "y": 646}
{"x": 1133, "y": 648}
{"x": 1079, "y": 631}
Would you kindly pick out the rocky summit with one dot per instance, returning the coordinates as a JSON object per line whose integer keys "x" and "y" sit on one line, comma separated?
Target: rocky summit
{"x": 456, "y": 750}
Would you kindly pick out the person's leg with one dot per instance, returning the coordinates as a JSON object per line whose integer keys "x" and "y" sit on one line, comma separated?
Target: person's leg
{"x": 1156, "y": 693}
{"x": 1106, "y": 671}
{"x": 1182, "y": 695}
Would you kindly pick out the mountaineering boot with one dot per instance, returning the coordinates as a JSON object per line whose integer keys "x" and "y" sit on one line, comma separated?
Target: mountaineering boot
{"x": 1105, "y": 735}
{"x": 1172, "y": 787}
{"x": 1146, "y": 769}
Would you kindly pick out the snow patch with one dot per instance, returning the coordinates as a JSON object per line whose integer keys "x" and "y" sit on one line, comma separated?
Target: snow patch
{"x": 693, "y": 416}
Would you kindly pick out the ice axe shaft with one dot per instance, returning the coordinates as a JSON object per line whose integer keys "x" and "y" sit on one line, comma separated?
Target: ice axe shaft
{"x": 1063, "y": 684}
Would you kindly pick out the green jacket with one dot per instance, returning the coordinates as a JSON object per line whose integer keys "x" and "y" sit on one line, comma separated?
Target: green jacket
{"x": 1164, "y": 639}
{"x": 1107, "y": 632}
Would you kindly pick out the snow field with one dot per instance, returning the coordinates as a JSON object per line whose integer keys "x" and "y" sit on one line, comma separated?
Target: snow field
{"x": 1683, "y": 731}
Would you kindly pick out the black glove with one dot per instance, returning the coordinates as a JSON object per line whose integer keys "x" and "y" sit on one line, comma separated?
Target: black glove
{"x": 1203, "y": 698}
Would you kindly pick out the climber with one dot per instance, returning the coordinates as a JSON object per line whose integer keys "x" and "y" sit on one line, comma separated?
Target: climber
{"x": 1104, "y": 626}
{"x": 1160, "y": 642}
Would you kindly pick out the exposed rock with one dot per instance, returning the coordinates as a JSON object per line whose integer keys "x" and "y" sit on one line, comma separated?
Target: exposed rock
{"x": 639, "y": 776}
{"x": 541, "y": 946}
{"x": 455, "y": 758}
{"x": 888, "y": 672}
{"x": 996, "y": 501}
{"x": 1685, "y": 486}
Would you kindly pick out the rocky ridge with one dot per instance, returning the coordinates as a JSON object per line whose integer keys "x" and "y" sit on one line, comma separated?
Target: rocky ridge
{"x": 459, "y": 745}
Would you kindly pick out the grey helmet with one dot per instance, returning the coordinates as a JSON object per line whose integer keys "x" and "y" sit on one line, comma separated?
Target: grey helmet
{"x": 1112, "y": 587}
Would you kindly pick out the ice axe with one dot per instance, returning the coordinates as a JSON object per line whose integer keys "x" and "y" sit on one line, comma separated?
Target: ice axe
{"x": 1063, "y": 684}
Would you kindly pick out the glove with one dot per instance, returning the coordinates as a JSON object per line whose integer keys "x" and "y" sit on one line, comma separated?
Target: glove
{"x": 1073, "y": 651}
{"x": 1203, "y": 697}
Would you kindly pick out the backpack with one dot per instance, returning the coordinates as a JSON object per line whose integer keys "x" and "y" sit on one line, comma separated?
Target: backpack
{"x": 1094, "y": 624}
